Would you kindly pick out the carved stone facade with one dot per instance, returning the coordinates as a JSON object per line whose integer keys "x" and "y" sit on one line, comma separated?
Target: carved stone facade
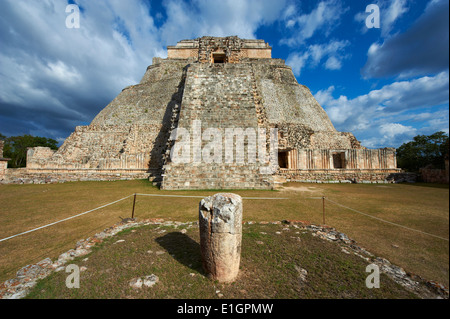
{"x": 220, "y": 50}
{"x": 221, "y": 83}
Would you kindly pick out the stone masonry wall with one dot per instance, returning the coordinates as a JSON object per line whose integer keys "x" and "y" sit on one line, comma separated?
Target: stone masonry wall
{"x": 292, "y": 108}
{"x": 338, "y": 175}
{"x": 3, "y": 161}
{"x": 106, "y": 147}
{"x": 45, "y": 176}
{"x": 349, "y": 159}
{"x": 234, "y": 48}
{"x": 130, "y": 133}
{"x": 286, "y": 101}
{"x": 220, "y": 96}
{"x": 334, "y": 140}
{"x": 3, "y": 168}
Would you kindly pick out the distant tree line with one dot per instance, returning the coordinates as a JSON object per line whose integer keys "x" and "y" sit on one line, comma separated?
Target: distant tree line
{"x": 422, "y": 151}
{"x": 16, "y": 147}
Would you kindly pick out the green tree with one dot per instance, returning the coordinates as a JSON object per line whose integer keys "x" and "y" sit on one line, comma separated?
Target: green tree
{"x": 16, "y": 147}
{"x": 423, "y": 150}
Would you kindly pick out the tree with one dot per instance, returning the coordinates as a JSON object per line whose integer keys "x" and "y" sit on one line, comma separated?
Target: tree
{"x": 423, "y": 150}
{"x": 16, "y": 147}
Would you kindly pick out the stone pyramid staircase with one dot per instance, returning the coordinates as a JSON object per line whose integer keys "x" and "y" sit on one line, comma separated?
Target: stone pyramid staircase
{"x": 220, "y": 97}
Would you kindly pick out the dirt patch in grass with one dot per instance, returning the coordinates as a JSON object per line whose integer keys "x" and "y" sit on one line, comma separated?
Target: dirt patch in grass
{"x": 300, "y": 189}
{"x": 277, "y": 261}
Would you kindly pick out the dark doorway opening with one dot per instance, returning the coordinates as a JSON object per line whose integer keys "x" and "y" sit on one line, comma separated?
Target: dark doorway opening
{"x": 283, "y": 159}
{"x": 339, "y": 160}
{"x": 219, "y": 58}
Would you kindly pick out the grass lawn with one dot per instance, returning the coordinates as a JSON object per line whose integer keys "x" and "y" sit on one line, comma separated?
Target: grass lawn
{"x": 421, "y": 207}
{"x": 300, "y": 266}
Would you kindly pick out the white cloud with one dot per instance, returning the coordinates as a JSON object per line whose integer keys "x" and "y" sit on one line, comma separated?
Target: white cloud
{"x": 54, "y": 78}
{"x": 390, "y": 134}
{"x": 63, "y": 77}
{"x": 217, "y": 18}
{"x": 297, "y": 62}
{"x": 392, "y": 114}
{"x": 391, "y": 14}
{"x": 421, "y": 50}
{"x": 391, "y": 130}
{"x": 333, "y": 52}
{"x": 61, "y": 72}
{"x": 324, "y": 17}
{"x": 333, "y": 63}
{"x": 288, "y": 15}
{"x": 333, "y": 48}
{"x": 325, "y": 97}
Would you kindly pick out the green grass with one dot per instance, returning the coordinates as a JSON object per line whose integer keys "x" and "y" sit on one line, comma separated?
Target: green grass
{"x": 268, "y": 268}
{"x": 425, "y": 208}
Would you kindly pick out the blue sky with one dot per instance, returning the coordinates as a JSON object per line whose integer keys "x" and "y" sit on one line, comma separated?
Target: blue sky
{"x": 384, "y": 85}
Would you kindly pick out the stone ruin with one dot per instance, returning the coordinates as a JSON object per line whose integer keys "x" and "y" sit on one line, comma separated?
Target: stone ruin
{"x": 220, "y": 224}
{"x": 224, "y": 82}
{"x": 3, "y": 161}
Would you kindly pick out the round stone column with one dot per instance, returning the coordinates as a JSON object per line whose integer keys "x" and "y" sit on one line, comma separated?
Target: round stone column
{"x": 220, "y": 223}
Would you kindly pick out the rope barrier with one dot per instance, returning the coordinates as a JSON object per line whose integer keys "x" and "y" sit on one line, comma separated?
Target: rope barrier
{"x": 63, "y": 220}
{"x": 92, "y": 210}
{"x": 157, "y": 195}
{"x": 385, "y": 221}
{"x": 188, "y": 196}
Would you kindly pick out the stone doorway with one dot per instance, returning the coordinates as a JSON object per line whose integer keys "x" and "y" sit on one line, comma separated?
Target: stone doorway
{"x": 339, "y": 160}
{"x": 283, "y": 159}
{"x": 219, "y": 58}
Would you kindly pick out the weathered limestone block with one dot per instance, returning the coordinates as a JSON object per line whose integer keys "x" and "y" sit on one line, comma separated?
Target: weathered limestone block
{"x": 3, "y": 161}
{"x": 3, "y": 167}
{"x": 220, "y": 221}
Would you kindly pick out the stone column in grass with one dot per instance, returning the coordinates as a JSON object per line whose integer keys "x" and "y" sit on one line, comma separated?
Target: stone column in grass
{"x": 220, "y": 222}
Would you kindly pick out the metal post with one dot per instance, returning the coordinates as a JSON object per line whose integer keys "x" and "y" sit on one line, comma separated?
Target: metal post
{"x": 323, "y": 209}
{"x": 134, "y": 204}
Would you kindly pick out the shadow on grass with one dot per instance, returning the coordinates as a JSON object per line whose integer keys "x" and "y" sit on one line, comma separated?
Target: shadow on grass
{"x": 184, "y": 249}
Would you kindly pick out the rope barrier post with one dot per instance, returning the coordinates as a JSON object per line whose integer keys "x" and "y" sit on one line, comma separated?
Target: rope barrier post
{"x": 134, "y": 204}
{"x": 323, "y": 209}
